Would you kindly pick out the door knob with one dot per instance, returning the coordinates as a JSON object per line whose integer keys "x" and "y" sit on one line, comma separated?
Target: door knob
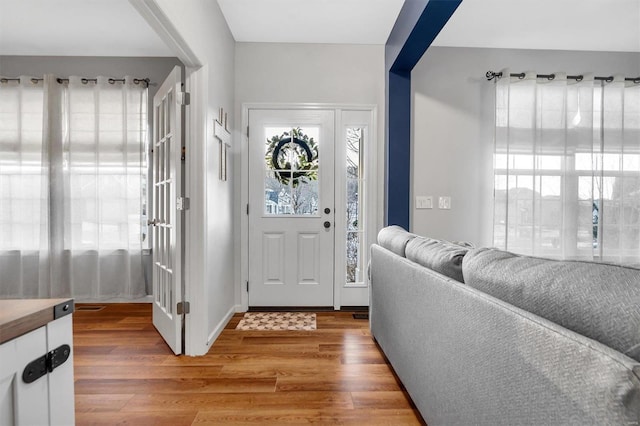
{"x": 327, "y": 224}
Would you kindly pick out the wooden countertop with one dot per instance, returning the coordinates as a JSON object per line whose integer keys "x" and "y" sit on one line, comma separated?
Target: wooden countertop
{"x": 20, "y": 316}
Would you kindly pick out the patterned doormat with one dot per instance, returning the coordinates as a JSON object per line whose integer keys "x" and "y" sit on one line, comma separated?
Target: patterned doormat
{"x": 277, "y": 321}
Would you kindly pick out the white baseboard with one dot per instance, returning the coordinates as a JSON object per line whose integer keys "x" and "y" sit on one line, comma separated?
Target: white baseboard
{"x": 221, "y": 325}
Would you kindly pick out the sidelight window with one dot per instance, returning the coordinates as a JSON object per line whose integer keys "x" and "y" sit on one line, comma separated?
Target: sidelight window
{"x": 354, "y": 191}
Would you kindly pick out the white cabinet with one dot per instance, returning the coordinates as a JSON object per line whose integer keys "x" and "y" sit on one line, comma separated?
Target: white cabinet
{"x": 36, "y": 330}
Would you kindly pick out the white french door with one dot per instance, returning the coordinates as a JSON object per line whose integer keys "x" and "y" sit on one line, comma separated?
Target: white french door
{"x": 167, "y": 220}
{"x": 291, "y": 207}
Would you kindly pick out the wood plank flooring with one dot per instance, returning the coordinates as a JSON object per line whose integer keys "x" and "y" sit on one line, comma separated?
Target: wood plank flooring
{"x": 126, "y": 374}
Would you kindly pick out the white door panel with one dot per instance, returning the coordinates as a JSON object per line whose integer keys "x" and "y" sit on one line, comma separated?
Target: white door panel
{"x": 273, "y": 264}
{"x": 167, "y": 222}
{"x": 47, "y": 400}
{"x": 22, "y": 403}
{"x": 291, "y": 214}
{"x": 61, "y": 387}
{"x": 309, "y": 258}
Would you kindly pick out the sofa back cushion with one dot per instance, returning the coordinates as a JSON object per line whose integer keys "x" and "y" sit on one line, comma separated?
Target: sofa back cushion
{"x": 441, "y": 256}
{"x": 597, "y": 300}
{"x": 395, "y": 239}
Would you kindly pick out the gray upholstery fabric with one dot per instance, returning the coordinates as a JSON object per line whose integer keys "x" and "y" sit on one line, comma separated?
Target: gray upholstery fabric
{"x": 395, "y": 238}
{"x": 596, "y": 300}
{"x": 467, "y": 358}
{"x": 466, "y": 244}
{"x": 441, "y": 256}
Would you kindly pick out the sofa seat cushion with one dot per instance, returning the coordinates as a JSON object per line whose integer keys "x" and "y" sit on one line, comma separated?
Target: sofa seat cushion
{"x": 395, "y": 238}
{"x": 597, "y": 300}
{"x": 441, "y": 256}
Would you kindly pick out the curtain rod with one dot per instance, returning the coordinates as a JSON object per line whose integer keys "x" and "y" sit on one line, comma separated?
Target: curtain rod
{"x": 491, "y": 75}
{"x": 83, "y": 80}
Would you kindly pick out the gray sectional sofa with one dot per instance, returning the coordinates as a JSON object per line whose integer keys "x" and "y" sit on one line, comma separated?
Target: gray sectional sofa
{"x": 481, "y": 336}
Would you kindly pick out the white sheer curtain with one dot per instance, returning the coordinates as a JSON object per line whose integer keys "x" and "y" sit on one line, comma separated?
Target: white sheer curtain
{"x": 567, "y": 167}
{"x": 92, "y": 170}
{"x": 24, "y": 190}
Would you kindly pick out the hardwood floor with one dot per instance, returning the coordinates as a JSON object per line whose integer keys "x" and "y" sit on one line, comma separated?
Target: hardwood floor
{"x": 125, "y": 374}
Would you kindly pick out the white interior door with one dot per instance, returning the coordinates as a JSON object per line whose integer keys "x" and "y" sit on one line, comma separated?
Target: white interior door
{"x": 167, "y": 220}
{"x": 291, "y": 207}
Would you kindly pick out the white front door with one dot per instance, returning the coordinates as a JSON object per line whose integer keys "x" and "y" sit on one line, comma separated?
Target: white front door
{"x": 291, "y": 207}
{"x": 167, "y": 220}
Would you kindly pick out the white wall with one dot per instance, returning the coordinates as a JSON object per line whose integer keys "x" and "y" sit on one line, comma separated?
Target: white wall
{"x": 318, "y": 73}
{"x": 202, "y": 26}
{"x": 452, "y": 130}
{"x": 307, "y": 73}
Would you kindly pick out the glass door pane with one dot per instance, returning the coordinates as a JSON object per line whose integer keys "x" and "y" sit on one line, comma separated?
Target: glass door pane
{"x": 291, "y": 171}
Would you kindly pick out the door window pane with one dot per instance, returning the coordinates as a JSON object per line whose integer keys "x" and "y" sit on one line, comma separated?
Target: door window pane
{"x": 291, "y": 171}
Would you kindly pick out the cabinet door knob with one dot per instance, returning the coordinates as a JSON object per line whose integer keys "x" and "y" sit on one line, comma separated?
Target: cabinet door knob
{"x": 327, "y": 224}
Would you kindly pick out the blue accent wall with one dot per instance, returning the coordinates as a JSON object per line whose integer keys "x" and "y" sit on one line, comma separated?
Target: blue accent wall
{"x": 398, "y": 149}
{"x": 418, "y": 24}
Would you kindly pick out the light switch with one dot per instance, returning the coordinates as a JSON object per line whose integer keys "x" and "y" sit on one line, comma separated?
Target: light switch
{"x": 424, "y": 202}
{"x": 444, "y": 203}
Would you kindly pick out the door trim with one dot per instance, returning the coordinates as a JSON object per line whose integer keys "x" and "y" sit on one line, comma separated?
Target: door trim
{"x": 160, "y": 23}
{"x": 196, "y": 332}
{"x": 371, "y": 172}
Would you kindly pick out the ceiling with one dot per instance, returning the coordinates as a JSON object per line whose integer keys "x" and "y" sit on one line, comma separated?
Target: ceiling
{"x": 311, "y": 21}
{"x": 599, "y": 25}
{"x": 76, "y": 28}
{"x": 114, "y": 27}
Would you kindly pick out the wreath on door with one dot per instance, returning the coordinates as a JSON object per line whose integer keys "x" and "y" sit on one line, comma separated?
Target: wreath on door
{"x": 293, "y": 157}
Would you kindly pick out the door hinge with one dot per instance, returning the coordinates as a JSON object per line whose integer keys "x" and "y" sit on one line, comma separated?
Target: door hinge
{"x": 247, "y": 131}
{"x": 183, "y": 308}
{"x": 184, "y": 98}
{"x": 183, "y": 154}
{"x": 247, "y": 286}
{"x": 46, "y": 363}
{"x": 247, "y": 208}
{"x": 182, "y": 203}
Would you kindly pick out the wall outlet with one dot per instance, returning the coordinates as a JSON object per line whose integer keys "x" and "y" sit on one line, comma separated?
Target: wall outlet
{"x": 424, "y": 202}
{"x": 444, "y": 203}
